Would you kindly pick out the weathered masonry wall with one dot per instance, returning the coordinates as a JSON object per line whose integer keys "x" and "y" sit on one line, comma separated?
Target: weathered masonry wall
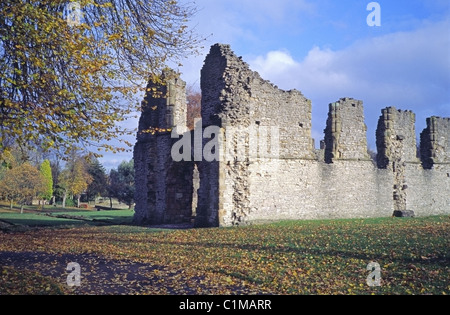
{"x": 164, "y": 188}
{"x": 280, "y": 176}
{"x": 396, "y": 144}
{"x": 428, "y": 191}
{"x": 238, "y": 99}
{"x": 297, "y": 185}
{"x": 396, "y": 137}
{"x": 318, "y": 191}
{"x": 435, "y": 142}
{"x": 429, "y": 185}
{"x": 346, "y": 132}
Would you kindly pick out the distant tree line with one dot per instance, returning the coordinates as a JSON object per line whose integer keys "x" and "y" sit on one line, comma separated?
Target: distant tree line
{"x": 27, "y": 176}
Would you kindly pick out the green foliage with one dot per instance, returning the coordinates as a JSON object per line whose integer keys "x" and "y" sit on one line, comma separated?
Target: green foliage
{"x": 99, "y": 179}
{"x": 63, "y": 83}
{"x": 58, "y": 190}
{"x": 6, "y": 164}
{"x": 121, "y": 184}
{"x": 70, "y": 203}
{"x": 68, "y": 218}
{"x": 46, "y": 173}
{"x": 59, "y": 193}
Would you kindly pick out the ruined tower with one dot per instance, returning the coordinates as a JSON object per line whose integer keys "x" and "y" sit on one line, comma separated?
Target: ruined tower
{"x": 163, "y": 186}
{"x": 396, "y": 144}
{"x": 435, "y": 142}
{"x": 396, "y": 137}
{"x": 237, "y": 99}
{"x": 346, "y": 131}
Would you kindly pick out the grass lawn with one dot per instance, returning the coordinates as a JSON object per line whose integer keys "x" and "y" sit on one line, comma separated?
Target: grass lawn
{"x": 73, "y": 217}
{"x": 298, "y": 257}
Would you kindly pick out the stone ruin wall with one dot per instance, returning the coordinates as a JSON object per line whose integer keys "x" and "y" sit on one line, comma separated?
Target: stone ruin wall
{"x": 430, "y": 182}
{"x": 163, "y": 186}
{"x": 396, "y": 146}
{"x": 234, "y": 97}
{"x": 346, "y": 131}
{"x": 297, "y": 185}
{"x": 435, "y": 142}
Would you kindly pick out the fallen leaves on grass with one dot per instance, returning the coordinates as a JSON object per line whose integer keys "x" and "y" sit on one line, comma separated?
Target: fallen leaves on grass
{"x": 15, "y": 282}
{"x": 328, "y": 257}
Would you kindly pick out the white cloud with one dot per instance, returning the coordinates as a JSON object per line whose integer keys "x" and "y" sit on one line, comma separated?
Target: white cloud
{"x": 276, "y": 63}
{"x": 409, "y": 70}
{"x": 383, "y": 67}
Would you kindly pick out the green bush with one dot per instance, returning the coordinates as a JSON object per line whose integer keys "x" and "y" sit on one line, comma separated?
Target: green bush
{"x": 70, "y": 203}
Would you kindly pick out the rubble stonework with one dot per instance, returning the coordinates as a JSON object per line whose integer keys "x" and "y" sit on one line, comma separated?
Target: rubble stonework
{"x": 295, "y": 181}
{"x": 396, "y": 137}
{"x": 345, "y": 135}
{"x": 163, "y": 187}
{"x": 435, "y": 142}
{"x": 234, "y": 97}
{"x": 396, "y": 145}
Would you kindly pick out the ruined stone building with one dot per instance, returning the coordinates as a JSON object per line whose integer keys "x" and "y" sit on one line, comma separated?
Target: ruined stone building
{"x": 255, "y": 182}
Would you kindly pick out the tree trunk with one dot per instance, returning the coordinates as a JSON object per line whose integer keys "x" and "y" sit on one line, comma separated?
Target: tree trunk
{"x": 78, "y": 201}
{"x": 11, "y": 204}
{"x": 53, "y": 200}
{"x": 110, "y": 203}
{"x": 21, "y": 208}
{"x": 64, "y": 199}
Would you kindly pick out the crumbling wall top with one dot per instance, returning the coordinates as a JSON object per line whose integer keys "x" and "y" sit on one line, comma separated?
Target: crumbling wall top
{"x": 346, "y": 131}
{"x": 234, "y": 95}
{"x": 396, "y": 137}
{"x": 435, "y": 142}
{"x": 164, "y": 106}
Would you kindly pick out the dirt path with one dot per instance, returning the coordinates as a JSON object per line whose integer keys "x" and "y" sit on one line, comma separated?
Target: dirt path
{"x": 98, "y": 275}
{"x": 102, "y": 276}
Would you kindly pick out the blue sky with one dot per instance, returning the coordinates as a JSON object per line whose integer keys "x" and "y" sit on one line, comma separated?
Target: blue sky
{"x": 325, "y": 49}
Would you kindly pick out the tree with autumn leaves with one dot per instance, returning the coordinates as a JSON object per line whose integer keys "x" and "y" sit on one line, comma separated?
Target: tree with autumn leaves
{"x": 21, "y": 183}
{"x": 194, "y": 106}
{"x": 46, "y": 173}
{"x": 70, "y": 82}
{"x": 64, "y": 83}
{"x": 74, "y": 178}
